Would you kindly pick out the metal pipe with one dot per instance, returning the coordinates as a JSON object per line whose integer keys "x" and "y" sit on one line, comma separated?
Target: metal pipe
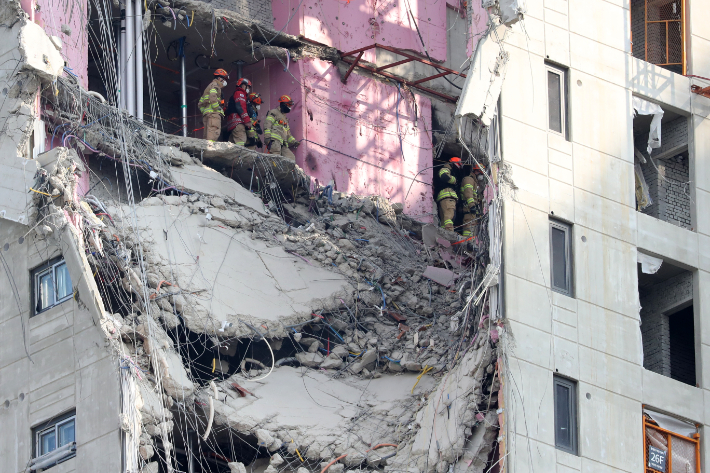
{"x": 139, "y": 59}
{"x": 130, "y": 59}
{"x": 190, "y": 453}
{"x": 183, "y": 95}
{"x": 122, "y": 63}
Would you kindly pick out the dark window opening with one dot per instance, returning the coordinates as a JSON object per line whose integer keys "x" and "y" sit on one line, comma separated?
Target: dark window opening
{"x": 565, "y": 414}
{"x": 667, "y": 322}
{"x": 663, "y": 178}
{"x": 561, "y": 257}
{"x": 557, "y": 100}
{"x": 682, "y": 347}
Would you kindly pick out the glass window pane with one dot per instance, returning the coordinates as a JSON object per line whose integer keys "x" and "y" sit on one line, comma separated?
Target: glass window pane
{"x": 563, "y": 427}
{"x": 66, "y": 433}
{"x": 554, "y": 99}
{"x": 47, "y": 442}
{"x": 559, "y": 259}
{"x": 45, "y": 291}
{"x": 63, "y": 281}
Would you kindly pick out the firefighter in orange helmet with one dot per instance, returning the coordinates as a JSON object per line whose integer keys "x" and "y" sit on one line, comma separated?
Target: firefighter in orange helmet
{"x": 211, "y": 105}
{"x": 277, "y": 133}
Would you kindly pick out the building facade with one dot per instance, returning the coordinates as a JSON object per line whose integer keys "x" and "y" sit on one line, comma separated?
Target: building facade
{"x": 574, "y": 299}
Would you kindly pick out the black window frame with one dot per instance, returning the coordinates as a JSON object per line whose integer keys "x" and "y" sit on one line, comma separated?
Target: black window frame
{"x": 572, "y": 413}
{"x": 42, "y": 428}
{"x": 569, "y": 273}
{"x": 34, "y": 285}
{"x": 563, "y": 99}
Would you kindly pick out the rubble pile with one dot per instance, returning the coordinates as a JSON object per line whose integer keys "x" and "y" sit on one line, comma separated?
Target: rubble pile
{"x": 223, "y": 302}
{"x": 350, "y": 313}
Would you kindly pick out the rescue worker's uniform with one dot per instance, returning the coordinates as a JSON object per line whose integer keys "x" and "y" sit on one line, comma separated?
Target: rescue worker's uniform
{"x": 210, "y": 105}
{"x": 471, "y": 205}
{"x": 238, "y": 121}
{"x": 277, "y": 134}
{"x": 253, "y": 140}
{"x": 447, "y": 207}
{"x": 447, "y": 197}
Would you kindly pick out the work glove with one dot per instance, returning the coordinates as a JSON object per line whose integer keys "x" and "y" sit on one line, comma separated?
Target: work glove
{"x": 259, "y": 144}
{"x": 296, "y": 144}
{"x": 257, "y": 127}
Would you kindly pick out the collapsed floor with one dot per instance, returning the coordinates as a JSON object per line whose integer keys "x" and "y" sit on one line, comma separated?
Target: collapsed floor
{"x": 262, "y": 320}
{"x": 301, "y": 340}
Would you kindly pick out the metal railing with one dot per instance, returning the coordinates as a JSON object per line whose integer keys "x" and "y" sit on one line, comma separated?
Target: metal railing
{"x": 668, "y": 452}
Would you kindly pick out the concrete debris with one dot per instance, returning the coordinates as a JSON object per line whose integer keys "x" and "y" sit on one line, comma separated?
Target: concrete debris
{"x": 304, "y": 324}
{"x": 441, "y": 276}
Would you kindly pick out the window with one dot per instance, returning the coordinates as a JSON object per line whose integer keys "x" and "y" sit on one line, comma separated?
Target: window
{"x": 667, "y": 319}
{"x": 51, "y": 285}
{"x": 54, "y": 441}
{"x": 565, "y": 414}
{"x": 657, "y": 33}
{"x": 561, "y": 257}
{"x": 556, "y": 100}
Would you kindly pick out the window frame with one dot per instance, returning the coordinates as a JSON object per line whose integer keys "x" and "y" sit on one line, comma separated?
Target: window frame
{"x": 562, "y": 73}
{"x": 53, "y": 426}
{"x": 49, "y": 267}
{"x": 567, "y": 229}
{"x": 572, "y": 413}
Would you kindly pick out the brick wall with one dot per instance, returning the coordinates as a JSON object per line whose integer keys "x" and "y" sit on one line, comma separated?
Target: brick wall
{"x": 655, "y": 325}
{"x": 668, "y": 185}
{"x": 673, "y": 134}
{"x": 258, "y": 10}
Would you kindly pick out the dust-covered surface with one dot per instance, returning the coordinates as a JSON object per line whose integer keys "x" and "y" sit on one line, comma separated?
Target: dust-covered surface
{"x": 261, "y": 321}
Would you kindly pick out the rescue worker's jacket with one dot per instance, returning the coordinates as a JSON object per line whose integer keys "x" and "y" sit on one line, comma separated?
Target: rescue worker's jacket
{"x": 448, "y": 173}
{"x": 211, "y": 100}
{"x": 254, "y": 115}
{"x": 237, "y": 110}
{"x": 469, "y": 192}
{"x": 276, "y": 128}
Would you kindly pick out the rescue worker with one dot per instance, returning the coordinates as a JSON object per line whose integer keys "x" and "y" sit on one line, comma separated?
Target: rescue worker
{"x": 471, "y": 200}
{"x": 211, "y": 105}
{"x": 277, "y": 133}
{"x": 448, "y": 197}
{"x": 238, "y": 121}
{"x": 253, "y": 106}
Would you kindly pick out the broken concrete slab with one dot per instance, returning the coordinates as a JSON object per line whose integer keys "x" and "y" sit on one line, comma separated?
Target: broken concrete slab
{"x": 246, "y": 280}
{"x": 441, "y": 276}
{"x": 318, "y": 409}
{"x": 205, "y": 180}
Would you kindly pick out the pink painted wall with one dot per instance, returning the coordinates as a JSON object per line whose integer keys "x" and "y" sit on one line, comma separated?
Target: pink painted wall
{"x": 353, "y": 24}
{"x": 52, "y": 14}
{"x": 356, "y": 119}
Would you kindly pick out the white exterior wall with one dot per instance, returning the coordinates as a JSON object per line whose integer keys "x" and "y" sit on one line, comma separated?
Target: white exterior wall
{"x": 589, "y": 181}
{"x": 71, "y": 366}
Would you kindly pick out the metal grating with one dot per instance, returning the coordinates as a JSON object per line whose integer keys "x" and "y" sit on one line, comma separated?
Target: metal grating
{"x": 681, "y": 457}
{"x": 658, "y": 32}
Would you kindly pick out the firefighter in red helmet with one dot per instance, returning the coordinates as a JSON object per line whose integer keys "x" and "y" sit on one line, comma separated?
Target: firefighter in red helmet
{"x": 238, "y": 120}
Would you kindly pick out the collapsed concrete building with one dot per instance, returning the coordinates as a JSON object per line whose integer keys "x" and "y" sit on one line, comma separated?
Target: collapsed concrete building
{"x": 169, "y": 304}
